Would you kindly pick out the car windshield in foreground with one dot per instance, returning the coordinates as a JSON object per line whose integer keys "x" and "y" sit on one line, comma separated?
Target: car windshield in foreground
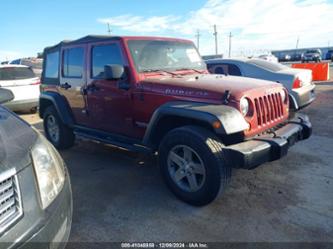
{"x": 268, "y": 65}
{"x": 154, "y": 55}
{"x": 16, "y": 73}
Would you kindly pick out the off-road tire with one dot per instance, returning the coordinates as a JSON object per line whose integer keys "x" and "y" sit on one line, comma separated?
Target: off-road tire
{"x": 66, "y": 135}
{"x": 210, "y": 150}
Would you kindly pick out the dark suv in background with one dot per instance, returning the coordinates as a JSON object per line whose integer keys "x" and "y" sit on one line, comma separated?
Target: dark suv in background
{"x": 329, "y": 55}
{"x": 312, "y": 55}
{"x": 35, "y": 190}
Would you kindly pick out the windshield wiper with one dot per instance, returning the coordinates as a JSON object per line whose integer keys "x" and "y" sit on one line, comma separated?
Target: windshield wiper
{"x": 195, "y": 70}
{"x": 158, "y": 70}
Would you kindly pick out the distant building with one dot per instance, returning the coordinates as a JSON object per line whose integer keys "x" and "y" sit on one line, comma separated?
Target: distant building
{"x": 213, "y": 56}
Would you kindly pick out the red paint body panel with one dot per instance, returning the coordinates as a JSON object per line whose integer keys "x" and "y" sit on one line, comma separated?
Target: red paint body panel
{"x": 128, "y": 111}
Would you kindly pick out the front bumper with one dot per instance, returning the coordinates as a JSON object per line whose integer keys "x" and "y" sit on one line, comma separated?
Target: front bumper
{"x": 270, "y": 147}
{"x": 54, "y": 229}
{"x": 22, "y": 105}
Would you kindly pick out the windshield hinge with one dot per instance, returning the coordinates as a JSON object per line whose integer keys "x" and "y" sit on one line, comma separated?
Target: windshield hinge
{"x": 226, "y": 97}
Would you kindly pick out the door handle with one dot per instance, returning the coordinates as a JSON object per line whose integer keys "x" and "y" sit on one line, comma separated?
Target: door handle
{"x": 65, "y": 86}
{"x": 91, "y": 88}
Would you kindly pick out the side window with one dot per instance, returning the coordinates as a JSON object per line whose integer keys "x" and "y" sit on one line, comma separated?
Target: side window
{"x": 52, "y": 65}
{"x": 234, "y": 70}
{"x": 103, "y": 55}
{"x": 73, "y": 63}
{"x": 219, "y": 70}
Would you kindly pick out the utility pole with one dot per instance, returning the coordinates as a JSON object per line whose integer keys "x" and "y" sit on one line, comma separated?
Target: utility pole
{"x": 215, "y": 34}
{"x": 230, "y": 36}
{"x": 198, "y": 39}
{"x": 109, "y": 29}
{"x": 297, "y": 42}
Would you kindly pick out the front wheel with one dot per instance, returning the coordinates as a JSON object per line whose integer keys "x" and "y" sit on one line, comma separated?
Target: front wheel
{"x": 192, "y": 164}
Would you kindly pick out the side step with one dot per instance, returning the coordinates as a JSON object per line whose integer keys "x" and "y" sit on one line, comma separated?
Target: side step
{"x": 114, "y": 140}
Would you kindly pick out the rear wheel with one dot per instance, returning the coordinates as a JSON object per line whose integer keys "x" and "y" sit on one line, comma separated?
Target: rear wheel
{"x": 60, "y": 135}
{"x": 192, "y": 165}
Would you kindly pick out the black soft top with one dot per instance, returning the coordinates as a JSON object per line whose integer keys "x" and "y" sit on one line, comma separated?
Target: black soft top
{"x": 83, "y": 40}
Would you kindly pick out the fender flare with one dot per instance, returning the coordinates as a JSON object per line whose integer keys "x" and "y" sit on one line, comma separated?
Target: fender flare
{"x": 60, "y": 104}
{"x": 232, "y": 121}
{"x": 293, "y": 102}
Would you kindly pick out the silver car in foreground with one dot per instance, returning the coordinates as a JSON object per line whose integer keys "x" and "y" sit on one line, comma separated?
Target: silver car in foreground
{"x": 298, "y": 81}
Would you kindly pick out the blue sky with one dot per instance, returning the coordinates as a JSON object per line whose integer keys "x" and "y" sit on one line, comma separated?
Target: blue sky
{"x": 257, "y": 26}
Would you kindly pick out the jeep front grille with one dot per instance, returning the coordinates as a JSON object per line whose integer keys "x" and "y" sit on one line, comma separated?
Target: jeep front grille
{"x": 269, "y": 108}
{"x": 10, "y": 199}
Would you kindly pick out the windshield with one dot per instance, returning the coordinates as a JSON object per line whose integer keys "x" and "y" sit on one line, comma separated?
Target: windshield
{"x": 152, "y": 55}
{"x": 271, "y": 66}
{"x": 16, "y": 73}
{"x": 312, "y": 51}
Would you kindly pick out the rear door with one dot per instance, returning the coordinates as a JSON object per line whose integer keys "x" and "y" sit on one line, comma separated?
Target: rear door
{"x": 73, "y": 80}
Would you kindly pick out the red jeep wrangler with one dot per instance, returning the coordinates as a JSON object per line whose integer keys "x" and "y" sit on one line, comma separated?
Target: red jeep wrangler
{"x": 151, "y": 95}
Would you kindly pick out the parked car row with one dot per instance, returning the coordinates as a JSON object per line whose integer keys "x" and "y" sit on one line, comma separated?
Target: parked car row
{"x": 149, "y": 95}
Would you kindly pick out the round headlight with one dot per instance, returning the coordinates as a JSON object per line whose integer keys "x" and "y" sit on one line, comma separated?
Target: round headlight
{"x": 244, "y": 106}
{"x": 283, "y": 95}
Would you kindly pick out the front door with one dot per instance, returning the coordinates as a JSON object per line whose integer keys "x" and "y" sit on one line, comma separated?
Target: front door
{"x": 108, "y": 104}
{"x": 73, "y": 80}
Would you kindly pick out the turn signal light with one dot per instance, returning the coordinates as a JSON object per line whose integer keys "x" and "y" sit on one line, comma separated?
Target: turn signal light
{"x": 37, "y": 82}
{"x": 217, "y": 124}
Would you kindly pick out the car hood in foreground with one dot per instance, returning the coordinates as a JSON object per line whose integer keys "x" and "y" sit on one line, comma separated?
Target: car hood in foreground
{"x": 16, "y": 140}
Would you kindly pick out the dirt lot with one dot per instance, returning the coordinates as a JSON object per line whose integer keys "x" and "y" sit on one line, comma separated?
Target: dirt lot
{"x": 119, "y": 197}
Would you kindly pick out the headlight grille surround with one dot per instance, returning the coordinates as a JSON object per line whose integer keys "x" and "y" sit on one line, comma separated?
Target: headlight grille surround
{"x": 244, "y": 105}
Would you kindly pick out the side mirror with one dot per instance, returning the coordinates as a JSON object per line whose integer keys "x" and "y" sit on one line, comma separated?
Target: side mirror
{"x": 5, "y": 95}
{"x": 114, "y": 72}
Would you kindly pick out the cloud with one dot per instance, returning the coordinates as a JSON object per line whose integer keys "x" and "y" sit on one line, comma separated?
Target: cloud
{"x": 139, "y": 23}
{"x": 255, "y": 24}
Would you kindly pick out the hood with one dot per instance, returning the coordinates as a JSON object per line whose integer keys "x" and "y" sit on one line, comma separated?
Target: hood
{"x": 16, "y": 140}
{"x": 202, "y": 85}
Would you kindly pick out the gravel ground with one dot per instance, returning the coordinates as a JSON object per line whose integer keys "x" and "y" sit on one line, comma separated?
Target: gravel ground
{"x": 119, "y": 196}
